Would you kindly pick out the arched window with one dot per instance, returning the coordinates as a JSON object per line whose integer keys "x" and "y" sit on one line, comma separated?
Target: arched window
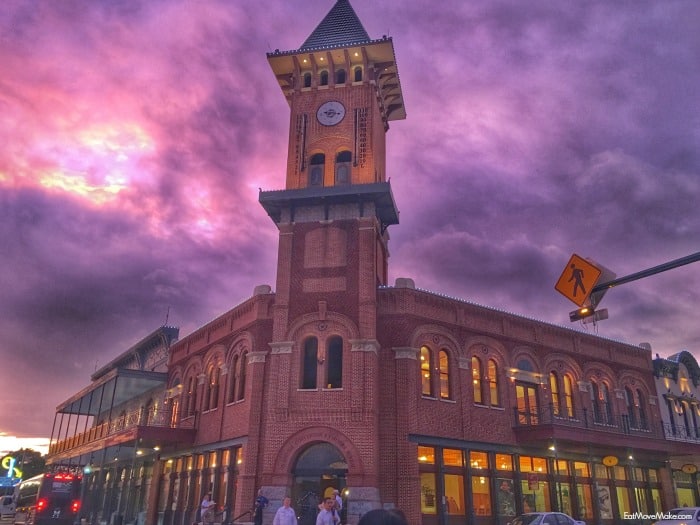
{"x": 191, "y": 399}
{"x": 307, "y": 79}
{"x": 340, "y": 76}
{"x": 358, "y": 74}
{"x": 316, "y": 169}
{"x": 493, "y": 384}
{"x": 233, "y": 380}
{"x": 607, "y": 407}
{"x": 241, "y": 376}
{"x": 629, "y": 399}
{"x": 477, "y": 381}
{"x": 642, "y": 412}
{"x": 568, "y": 405}
{"x": 342, "y": 167}
{"x": 600, "y": 399}
{"x": 211, "y": 394}
{"x": 554, "y": 390}
{"x": 324, "y": 78}
{"x": 310, "y": 363}
{"x": 595, "y": 402}
{"x": 334, "y": 370}
{"x": 444, "y": 367}
{"x": 426, "y": 371}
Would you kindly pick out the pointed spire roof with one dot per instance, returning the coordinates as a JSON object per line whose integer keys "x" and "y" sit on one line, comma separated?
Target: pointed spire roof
{"x": 341, "y": 27}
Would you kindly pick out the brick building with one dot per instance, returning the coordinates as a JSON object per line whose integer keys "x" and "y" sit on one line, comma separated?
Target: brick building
{"x": 451, "y": 411}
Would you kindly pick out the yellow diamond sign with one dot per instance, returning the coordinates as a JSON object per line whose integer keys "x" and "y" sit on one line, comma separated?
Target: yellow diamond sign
{"x": 578, "y": 279}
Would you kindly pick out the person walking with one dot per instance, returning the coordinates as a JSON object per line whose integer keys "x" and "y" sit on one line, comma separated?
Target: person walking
{"x": 285, "y": 515}
{"x": 260, "y": 503}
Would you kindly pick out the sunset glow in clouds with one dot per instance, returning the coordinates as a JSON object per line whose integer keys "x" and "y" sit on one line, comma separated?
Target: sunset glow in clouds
{"x": 134, "y": 136}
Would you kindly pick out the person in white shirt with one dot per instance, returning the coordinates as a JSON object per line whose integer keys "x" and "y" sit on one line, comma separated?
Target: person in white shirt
{"x": 285, "y": 515}
{"x": 328, "y": 516}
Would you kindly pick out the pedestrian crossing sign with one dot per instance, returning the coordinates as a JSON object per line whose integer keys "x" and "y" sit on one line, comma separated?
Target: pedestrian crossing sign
{"x": 578, "y": 280}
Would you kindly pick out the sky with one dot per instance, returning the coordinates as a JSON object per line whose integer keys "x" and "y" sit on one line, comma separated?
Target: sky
{"x": 135, "y": 135}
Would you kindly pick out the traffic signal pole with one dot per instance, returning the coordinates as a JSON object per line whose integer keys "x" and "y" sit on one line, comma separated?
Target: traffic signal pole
{"x": 646, "y": 273}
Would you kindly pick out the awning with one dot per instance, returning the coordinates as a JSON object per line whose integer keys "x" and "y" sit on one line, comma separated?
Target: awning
{"x": 112, "y": 389}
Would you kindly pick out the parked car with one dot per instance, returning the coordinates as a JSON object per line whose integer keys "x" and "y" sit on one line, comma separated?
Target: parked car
{"x": 7, "y": 508}
{"x": 680, "y": 516}
{"x": 546, "y": 518}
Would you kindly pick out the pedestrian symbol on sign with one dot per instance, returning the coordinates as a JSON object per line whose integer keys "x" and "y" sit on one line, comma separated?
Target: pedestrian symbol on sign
{"x": 578, "y": 280}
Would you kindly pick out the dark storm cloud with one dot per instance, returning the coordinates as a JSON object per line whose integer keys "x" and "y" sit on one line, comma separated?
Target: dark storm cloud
{"x": 135, "y": 135}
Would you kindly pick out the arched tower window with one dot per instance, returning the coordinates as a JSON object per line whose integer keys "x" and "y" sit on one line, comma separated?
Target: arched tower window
{"x": 340, "y": 76}
{"x": 309, "y": 364}
{"x": 493, "y": 383}
{"x": 316, "y": 169}
{"x": 426, "y": 371}
{"x": 342, "y": 167}
{"x": 477, "y": 380}
{"x": 334, "y": 370}
{"x": 324, "y": 78}
{"x": 444, "y": 367}
{"x": 358, "y": 74}
{"x": 307, "y": 80}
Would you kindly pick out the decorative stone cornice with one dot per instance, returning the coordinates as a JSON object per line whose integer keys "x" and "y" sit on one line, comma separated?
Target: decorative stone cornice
{"x": 364, "y": 345}
{"x": 405, "y": 352}
{"x": 281, "y": 347}
{"x": 256, "y": 357}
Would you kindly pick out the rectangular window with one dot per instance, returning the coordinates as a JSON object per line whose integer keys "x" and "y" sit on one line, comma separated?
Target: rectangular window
{"x": 585, "y": 501}
{"x": 656, "y": 501}
{"x": 428, "y": 500}
{"x": 562, "y": 467}
{"x": 535, "y": 495}
{"x": 454, "y": 494}
{"x": 481, "y": 496}
{"x": 651, "y": 474}
{"x": 533, "y": 464}
{"x": 452, "y": 457}
{"x": 504, "y": 462}
{"x": 479, "y": 460}
{"x": 505, "y": 497}
{"x": 563, "y": 497}
{"x": 581, "y": 469}
{"x": 601, "y": 471}
{"x": 623, "y": 500}
{"x": 620, "y": 472}
{"x": 426, "y": 455}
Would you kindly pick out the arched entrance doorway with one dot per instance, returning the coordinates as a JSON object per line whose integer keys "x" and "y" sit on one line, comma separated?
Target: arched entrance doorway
{"x": 319, "y": 470}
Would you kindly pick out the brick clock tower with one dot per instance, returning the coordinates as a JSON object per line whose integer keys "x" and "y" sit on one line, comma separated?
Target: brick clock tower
{"x": 320, "y": 422}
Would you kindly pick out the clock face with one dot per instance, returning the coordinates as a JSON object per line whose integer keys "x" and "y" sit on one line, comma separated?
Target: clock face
{"x": 330, "y": 113}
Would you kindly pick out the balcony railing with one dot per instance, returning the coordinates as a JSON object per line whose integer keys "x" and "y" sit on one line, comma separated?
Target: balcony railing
{"x": 600, "y": 421}
{"x": 681, "y": 433}
{"x": 154, "y": 417}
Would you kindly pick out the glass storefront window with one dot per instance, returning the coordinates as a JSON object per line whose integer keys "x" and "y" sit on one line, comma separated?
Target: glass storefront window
{"x": 623, "y": 500}
{"x": 505, "y": 497}
{"x": 651, "y": 474}
{"x": 656, "y": 500}
{"x": 581, "y": 469}
{"x": 533, "y": 464}
{"x": 562, "y": 467}
{"x": 601, "y": 471}
{"x": 452, "y": 457}
{"x": 504, "y": 462}
{"x": 426, "y": 455}
{"x": 479, "y": 460}
{"x": 563, "y": 497}
{"x": 620, "y": 472}
{"x": 685, "y": 497}
{"x": 225, "y": 457}
{"x": 454, "y": 494}
{"x": 585, "y": 502}
{"x": 428, "y": 493}
{"x": 535, "y": 496}
{"x": 481, "y": 496}
{"x": 638, "y": 474}
{"x": 640, "y": 495}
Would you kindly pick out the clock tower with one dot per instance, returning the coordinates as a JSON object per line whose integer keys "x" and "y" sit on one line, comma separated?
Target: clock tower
{"x": 343, "y": 90}
{"x": 322, "y": 386}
